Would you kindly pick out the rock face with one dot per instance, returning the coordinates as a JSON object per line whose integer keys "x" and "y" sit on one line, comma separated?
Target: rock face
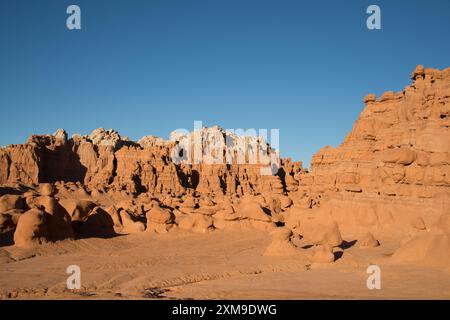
{"x": 399, "y": 146}
{"x": 31, "y": 229}
{"x": 395, "y": 163}
{"x": 103, "y": 160}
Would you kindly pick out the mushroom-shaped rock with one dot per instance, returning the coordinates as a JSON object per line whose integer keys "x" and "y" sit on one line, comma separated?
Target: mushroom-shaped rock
{"x": 418, "y": 72}
{"x": 428, "y": 249}
{"x": 31, "y": 228}
{"x": 368, "y": 241}
{"x": 285, "y": 202}
{"x": 443, "y": 223}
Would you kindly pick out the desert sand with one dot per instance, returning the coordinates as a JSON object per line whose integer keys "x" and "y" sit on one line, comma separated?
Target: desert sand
{"x": 143, "y": 226}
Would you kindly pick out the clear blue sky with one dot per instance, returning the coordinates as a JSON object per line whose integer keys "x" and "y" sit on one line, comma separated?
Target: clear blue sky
{"x": 150, "y": 67}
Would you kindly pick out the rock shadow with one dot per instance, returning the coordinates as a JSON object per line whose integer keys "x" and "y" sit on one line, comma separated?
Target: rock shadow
{"x": 347, "y": 244}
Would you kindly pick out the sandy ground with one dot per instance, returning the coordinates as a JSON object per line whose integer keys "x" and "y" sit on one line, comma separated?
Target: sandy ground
{"x": 220, "y": 265}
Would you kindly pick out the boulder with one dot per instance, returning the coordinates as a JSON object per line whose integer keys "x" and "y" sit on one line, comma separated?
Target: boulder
{"x": 31, "y": 228}
{"x": 430, "y": 250}
{"x": 198, "y": 223}
{"x": 130, "y": 223}
{"x": 160, "y": 216}
{"x": 77, "y": 209}
{"x": 59, "y": 222}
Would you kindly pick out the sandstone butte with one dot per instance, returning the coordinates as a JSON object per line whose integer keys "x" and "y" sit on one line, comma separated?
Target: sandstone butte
{"x": 389, "y": 179}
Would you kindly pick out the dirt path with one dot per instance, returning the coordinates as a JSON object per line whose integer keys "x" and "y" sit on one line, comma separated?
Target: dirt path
{"x": 220, "y": 265}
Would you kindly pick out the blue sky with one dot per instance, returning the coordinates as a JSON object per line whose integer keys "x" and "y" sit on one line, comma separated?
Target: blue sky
{"x": 150, "y": 67}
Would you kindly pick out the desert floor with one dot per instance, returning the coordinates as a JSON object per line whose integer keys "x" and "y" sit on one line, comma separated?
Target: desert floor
{"x": 220, "y": 265}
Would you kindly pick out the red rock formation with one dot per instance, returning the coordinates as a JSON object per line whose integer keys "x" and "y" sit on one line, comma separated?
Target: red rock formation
{"x": 105, "y": 161}
{"x": 400, "y": 144}
{"x": 394, "y": 166}
{"x": 392, "y": 172}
